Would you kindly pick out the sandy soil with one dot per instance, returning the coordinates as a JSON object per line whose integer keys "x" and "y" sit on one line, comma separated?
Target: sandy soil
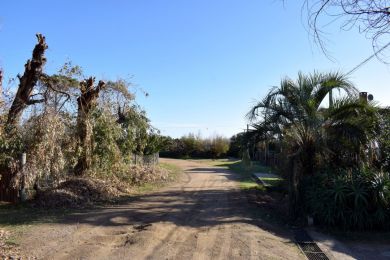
{"x": 203, "y": 216}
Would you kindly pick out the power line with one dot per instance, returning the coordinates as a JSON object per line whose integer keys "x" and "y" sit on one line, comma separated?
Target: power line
{"x": 368, "y": 59}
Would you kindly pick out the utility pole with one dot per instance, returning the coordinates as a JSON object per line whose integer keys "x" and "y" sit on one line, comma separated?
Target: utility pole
{"x": 330, "y": 99}
{"x": 1, "y": 86}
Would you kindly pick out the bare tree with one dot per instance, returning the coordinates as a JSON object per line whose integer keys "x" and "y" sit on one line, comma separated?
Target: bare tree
{"x": 27, "y": 82}
{"x": 371, "y": 17}
{"x": 86, "y": 102}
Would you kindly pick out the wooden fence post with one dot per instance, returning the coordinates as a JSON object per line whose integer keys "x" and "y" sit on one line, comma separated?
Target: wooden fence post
{"x": 22, "y": 192}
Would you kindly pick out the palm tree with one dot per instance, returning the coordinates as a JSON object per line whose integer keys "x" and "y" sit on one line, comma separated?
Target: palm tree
{"x": 308, "y": 133}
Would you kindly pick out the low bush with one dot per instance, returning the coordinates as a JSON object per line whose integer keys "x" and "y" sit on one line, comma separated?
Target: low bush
{"x": 353, "y": 199}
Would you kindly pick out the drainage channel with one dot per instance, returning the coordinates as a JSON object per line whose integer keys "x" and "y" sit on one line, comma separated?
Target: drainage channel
{"x": 307, "y": 245}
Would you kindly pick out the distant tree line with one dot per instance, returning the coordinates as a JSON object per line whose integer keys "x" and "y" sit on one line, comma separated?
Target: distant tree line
{"x": 194, "y": 146}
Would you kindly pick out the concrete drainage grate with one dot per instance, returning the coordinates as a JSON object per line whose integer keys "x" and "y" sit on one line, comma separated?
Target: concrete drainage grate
{"x": 316, "y": 256}
{"x": 308, "y": 246}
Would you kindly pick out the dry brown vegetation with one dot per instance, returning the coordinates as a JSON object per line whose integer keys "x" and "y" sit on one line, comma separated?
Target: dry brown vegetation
{"x": 68, "y": 126}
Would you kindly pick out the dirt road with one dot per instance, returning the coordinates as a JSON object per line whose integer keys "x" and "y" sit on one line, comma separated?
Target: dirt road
{"x": 203, "y": 216}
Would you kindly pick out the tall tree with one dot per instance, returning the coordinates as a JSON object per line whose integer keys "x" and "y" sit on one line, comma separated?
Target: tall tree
{"x": 309, "y": 134}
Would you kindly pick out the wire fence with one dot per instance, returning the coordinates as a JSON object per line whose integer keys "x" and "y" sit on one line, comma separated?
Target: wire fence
{"x": 149, "y": 160}
{"x": 269, "y": 158}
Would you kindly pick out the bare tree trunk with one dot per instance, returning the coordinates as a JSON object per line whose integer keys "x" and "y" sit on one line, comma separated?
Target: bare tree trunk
{"x": 86, "y": 102}
{"x": 32, "y": 73}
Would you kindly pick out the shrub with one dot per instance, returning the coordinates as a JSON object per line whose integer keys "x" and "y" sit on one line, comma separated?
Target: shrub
{"x": 354, "y": 199}
{"x": 106, "y": 133}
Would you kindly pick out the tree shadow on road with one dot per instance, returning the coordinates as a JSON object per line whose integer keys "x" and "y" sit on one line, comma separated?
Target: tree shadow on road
{"x": 190, "y": 206}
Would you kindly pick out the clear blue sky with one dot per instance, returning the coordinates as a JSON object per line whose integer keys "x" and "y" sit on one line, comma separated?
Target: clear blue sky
{"x": 202, "y": 62}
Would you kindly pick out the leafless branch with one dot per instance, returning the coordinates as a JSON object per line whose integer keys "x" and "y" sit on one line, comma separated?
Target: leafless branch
{"x": 371, "y": 17}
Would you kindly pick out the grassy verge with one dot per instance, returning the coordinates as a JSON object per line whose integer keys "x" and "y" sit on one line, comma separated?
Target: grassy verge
{"x": 265, "y": 204}
{"x": 174, "y": 170}
{"x": 244, "y": 171}
{"x": 19, "y": 218}
{"x": 24, "y": 214}
{"x": 174, "y": 173}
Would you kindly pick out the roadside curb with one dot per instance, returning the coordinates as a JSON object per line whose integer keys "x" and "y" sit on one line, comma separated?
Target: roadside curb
{"x": 333, "y": 248}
